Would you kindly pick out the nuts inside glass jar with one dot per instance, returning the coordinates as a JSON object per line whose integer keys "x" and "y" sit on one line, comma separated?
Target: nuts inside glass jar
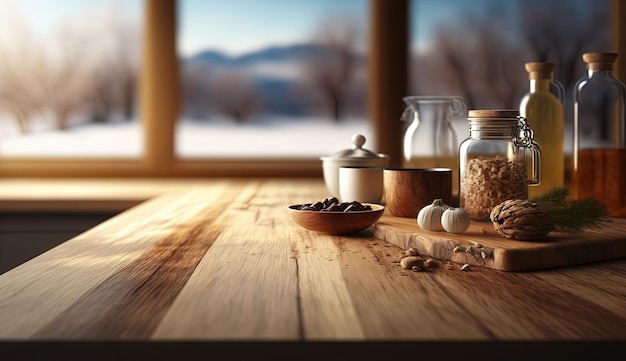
{"x": 487, "y": 182}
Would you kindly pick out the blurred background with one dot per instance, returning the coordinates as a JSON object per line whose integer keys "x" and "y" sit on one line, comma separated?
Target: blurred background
{"x": 266, "y": 78}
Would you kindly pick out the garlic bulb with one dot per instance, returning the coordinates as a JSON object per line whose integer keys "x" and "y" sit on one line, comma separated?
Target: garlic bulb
{"x": 429, "y": 217}
{"x": 455, "y": 220}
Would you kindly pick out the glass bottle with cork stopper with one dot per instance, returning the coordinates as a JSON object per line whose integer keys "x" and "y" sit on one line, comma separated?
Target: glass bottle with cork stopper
{"x": 544, "y": 113}
{"x": 599, "y": 153}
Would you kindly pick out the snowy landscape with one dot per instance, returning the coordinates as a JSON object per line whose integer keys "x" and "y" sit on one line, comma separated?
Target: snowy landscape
{"x": 278, "y": 137}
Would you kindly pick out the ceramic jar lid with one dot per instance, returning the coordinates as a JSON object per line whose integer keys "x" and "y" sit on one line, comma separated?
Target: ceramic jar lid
{"x": 357, "y": 152}
{"x": 356, "y": 156}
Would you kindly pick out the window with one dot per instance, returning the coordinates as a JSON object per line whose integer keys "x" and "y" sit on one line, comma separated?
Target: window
{"x": 271, "y": 78}
{"x": 163, "y": 152}
{"x": 68, "y": 78}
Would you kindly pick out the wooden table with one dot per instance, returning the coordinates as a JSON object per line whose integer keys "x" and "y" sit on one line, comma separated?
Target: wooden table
{"x": 222, "y": 260}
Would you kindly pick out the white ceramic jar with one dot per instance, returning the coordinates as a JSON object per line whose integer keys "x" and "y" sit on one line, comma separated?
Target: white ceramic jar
{"x": 356, "y": 156}
{"x": 361, "y": 184}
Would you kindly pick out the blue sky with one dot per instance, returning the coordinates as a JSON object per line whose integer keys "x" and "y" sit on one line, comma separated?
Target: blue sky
{"x": 237, "y": 26}
{"x": 253, "y": 26}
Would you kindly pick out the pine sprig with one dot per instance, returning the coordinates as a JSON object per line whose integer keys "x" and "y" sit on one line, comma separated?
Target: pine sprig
{"x": 578, "y": 215}
{"x": 572, "y": 216}
{"x": 555, "y": 197}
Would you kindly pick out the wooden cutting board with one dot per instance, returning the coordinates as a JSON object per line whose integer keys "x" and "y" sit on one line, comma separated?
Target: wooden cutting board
{"x": 482, "y": 246}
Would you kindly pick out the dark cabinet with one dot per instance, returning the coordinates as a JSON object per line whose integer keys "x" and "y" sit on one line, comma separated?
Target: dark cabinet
{"x": 24, "y": 236}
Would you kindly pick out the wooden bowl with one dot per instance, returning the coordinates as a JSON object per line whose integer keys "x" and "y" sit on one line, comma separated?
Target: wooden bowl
{"x": 336, "y": 223}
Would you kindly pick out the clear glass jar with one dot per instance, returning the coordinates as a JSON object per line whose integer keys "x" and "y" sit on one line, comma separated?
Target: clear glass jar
{"x": 493, "y": 161}
{"x": 600, "y": 134}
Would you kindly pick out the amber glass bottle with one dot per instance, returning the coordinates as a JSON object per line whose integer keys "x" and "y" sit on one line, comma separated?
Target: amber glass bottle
{"x": 544, "y": 113}
{"x": 600, "y": 134}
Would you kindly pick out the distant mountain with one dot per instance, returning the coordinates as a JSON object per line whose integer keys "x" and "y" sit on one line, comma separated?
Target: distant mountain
{"x": 274, "y": 71}
{"x": 280, "y": 53}
{"x": 213, "y": 57}
{"x": 271, "y": 54}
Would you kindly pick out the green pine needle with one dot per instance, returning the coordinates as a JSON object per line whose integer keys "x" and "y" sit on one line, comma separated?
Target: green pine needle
{"x": 572, "y": 216}
{"x": 555, "y": 197}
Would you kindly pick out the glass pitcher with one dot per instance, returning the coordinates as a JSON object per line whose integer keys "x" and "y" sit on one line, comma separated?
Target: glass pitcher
{"x": 430, "y": 137}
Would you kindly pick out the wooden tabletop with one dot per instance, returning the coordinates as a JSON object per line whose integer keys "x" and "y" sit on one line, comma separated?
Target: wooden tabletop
{"x": 53, "y": 195}
{"x": 222, "y": 260}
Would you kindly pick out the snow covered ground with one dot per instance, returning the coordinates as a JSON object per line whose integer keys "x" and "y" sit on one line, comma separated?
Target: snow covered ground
{"x": 272, "y": 137}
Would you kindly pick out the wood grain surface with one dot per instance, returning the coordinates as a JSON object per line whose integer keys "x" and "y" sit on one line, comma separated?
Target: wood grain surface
{"x": 223, "y": 261}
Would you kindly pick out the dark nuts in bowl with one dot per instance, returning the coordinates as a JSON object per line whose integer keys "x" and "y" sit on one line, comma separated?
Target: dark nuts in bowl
{"x": 330, "y": 216}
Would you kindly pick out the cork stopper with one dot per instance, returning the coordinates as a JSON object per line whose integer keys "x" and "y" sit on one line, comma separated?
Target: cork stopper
{"x": 599, "y": 61}
{"x": 540, "y": 70}
{"x": 493, "y": 113}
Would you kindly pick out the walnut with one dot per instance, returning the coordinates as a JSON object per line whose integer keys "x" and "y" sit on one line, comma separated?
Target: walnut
{"x": 521, "y": 219}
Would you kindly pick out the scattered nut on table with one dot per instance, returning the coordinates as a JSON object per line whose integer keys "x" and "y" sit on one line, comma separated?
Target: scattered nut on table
{"x": 410, "y": 261}
{"x": 411, "y": 252}
{"x": 430, "y": 263}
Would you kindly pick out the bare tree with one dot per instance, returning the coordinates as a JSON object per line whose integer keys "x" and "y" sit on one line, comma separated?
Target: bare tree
{"x": 103, "y": 96}
{"x": 116, "y": 66}
{"x": 562, "y": 39}
{"x": 107, "y": 45}
{"x": 480, "y": 59}
{"x": 91, "y": 58}
{"x": 195, "y": 88}
{"x": 333, "y": 67}
{"x": 234, "y": 95}
{"x": 21, "y": 69}
{"x": 65, "y": 80}
{"x": 474, "y": 64}
{"x": 127, "y": 68}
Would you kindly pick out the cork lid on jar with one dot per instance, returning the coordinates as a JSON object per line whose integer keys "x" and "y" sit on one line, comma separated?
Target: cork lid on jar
{"x": 493, "y": 113}
{"x": 599, "y": 61}
{"x": 540, "y": 70}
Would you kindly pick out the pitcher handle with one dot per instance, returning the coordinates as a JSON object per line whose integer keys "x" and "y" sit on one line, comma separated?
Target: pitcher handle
{"x": 459, "y": 107}
{"x": 407, "y": 114}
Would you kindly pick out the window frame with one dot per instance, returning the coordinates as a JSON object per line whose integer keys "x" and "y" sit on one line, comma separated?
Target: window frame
{"x": 160, "y": 104}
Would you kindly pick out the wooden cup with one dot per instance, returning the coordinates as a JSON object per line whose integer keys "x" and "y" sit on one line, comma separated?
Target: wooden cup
{"x": 407, "y": 190}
